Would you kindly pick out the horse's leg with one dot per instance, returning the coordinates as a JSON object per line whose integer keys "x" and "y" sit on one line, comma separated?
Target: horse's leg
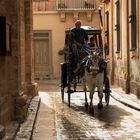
{"x": 91, "y": 108}
{"x": 100, "y": 95}
{"x": 86, "y": 102}
{"x": 85, "y": 90}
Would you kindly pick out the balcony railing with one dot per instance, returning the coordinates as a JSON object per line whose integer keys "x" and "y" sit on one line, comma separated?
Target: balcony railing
{"x": 75, "y": 4}
{"x": 46, "y": 5}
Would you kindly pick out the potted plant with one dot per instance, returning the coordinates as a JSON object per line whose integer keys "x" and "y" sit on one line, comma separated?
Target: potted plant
{"x": 61, "y": 52}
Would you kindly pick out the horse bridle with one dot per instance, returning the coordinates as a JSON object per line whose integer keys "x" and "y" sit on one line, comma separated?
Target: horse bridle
{"x": 91, "y": 64}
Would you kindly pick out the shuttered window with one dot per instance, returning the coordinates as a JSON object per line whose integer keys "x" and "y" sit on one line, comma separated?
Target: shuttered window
{"x": 132, "y": 22}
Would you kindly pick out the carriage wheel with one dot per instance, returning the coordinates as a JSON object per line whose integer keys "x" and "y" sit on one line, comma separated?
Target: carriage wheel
{"x": 62, "y": 93}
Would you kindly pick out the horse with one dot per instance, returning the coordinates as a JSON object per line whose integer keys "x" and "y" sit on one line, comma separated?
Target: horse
{"x": 93, "y": 76}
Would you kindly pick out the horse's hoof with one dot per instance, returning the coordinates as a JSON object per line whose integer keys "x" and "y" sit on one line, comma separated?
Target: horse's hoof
{"x": 86, "y": 105}
{"x": 100, "y": 106}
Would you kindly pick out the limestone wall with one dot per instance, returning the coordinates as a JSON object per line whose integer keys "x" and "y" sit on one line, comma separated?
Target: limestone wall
{"x": 124, "y": 64}
{"x": 8, "y": 64}
{"x": 16, "y": 69}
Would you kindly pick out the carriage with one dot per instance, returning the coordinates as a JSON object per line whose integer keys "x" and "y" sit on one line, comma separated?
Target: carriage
{"x": 70, "y": 79}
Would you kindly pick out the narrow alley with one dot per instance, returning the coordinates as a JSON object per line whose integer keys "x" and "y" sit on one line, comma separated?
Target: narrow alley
{"x": 42, "y": 41}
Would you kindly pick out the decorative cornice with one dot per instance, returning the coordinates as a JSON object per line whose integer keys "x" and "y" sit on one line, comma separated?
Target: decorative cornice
{"x": 75, "y": 16}
{"x": 89, "y": 16}
{"x": 62, "y": 16}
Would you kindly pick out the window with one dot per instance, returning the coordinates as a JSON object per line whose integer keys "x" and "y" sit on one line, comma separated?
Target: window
{"x": 5, "y": 37}
{"x": 117, "y": 26}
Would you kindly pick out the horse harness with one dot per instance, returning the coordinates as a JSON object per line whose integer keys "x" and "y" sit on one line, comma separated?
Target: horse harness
{"x": 94, "y": 64}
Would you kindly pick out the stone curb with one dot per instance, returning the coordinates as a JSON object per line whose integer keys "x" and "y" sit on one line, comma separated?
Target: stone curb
{"x": 26, "y": 128}
{"x": 128, "y": 102}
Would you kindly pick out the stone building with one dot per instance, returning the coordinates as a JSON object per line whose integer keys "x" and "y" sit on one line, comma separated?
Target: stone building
{"x": 16, "y": 61}
{"x": 50, "y": 20}
{"x": 121, "y": 35}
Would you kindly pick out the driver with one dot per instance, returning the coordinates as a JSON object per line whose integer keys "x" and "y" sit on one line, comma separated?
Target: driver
{"x": 78, "y": 38}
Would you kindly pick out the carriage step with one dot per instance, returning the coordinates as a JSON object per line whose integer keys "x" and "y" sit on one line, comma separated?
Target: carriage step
{"x": 70, "y": 91}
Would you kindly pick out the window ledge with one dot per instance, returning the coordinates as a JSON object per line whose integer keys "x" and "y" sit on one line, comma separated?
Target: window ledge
{"x": 117, "y": 52}
{"x": 133, "y": 49}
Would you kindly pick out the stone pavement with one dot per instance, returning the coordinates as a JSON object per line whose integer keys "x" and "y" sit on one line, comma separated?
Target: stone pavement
{"x": 26, "y": 128}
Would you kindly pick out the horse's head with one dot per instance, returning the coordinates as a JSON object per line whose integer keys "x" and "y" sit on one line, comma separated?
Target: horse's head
{"x": 92, "y": 63}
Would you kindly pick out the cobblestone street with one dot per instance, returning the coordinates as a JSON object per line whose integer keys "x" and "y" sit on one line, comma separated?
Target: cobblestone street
{"x": 56, "y": 121}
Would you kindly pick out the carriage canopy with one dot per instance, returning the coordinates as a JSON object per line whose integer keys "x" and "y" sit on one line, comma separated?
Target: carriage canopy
{"x": 91, "y": 32}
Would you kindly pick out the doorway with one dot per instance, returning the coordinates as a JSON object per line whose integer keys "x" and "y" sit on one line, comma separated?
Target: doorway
{"x": 42, "y": 55}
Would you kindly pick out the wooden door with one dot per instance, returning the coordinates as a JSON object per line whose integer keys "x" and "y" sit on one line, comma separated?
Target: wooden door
{"x": 42, "y": 70}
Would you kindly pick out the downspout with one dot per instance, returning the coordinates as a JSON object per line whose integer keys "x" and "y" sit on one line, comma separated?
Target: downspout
{"x": 128, "y": 56}
{"x": 100, "y": 14}
{"x": 112, "y": 48}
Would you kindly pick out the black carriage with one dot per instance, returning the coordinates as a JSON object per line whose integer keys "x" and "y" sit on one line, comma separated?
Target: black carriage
{"x": 69, "y": 79}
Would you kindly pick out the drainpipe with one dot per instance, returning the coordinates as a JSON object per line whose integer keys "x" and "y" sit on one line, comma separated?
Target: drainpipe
{"x": 100, "y": 14}
{"x": 128, "y": 56}
{"x": 112, "y": 47}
